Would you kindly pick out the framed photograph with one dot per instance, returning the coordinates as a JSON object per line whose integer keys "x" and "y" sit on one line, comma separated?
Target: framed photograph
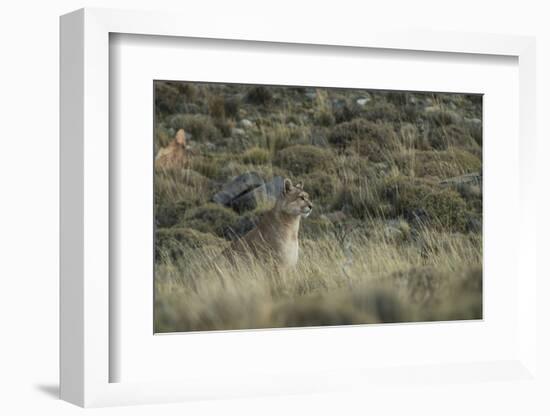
{"x": 279, "y": 206}
{"x": 273, "y": 214}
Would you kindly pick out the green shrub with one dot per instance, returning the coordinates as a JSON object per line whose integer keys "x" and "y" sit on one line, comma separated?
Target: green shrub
{"x": 207, "y": 166}
{"x": 324, "y": 118}
{"x": 232, "y": 106}
{"x": 361, "y": 202}
{"x": 369, "y": 139}
{"x": 441, "y": 116}
{"x": 321, "y": 186}
{"x": 397, "y": 98}
{"x": 201, "y": 127}
{"x": 216, "y": 106}
{"x": 347, "y": 112}
{"x": 381, "y": 110}
{"x": 256, "y": 156}
{"x": 418, "y": 200}
{"x": 211, "y": 218}
{"x": 177, "y": 189}
{"x": 168, "y": 214}
{"x": 259, "y": 95}
{"x": 301, "y": 159}
{"x": 438, "y": 163}
{"x": 170, "y": 97}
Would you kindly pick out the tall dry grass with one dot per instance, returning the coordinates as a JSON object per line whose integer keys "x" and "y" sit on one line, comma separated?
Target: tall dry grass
{"x": 359, "y": 276}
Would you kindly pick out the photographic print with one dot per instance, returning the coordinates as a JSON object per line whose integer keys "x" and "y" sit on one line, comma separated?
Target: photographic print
{"x": 291, "y": 206}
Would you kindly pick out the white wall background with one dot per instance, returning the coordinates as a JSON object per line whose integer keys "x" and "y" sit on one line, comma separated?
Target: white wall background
{"x": 29, "y": 204}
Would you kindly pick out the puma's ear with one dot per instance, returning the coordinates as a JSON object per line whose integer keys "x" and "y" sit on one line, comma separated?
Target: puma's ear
{"x": 300, "y": 185}
{"x": 288, "y": 186}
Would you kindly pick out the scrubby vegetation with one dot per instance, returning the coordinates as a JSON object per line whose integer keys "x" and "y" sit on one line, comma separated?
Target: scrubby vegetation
{"x": 395, "y": 178}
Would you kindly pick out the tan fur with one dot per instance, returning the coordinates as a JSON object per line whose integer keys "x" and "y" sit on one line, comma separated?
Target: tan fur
{"x": 174, "y": 155}
{"x": 275, "y": 238}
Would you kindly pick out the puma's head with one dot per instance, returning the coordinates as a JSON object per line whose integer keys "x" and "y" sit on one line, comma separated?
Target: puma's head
{"x": 294, "y": 201}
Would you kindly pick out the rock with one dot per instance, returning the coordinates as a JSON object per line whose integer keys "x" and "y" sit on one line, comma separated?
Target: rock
{"x": 239, "y": 186}
{"x": 243, "y": 225}
{"x": 210, "y": 146}
{"x": 246, "y": 191}
{"x": 338, "y": 104}
{"x": 275, "y": 187}
{"x": 237, "y": 132}
{"x": 249, "y": 200}
{"x": 474, "y": 225}
{"x": 393, "y": 234}
{"x": 362, "y": 101}
{"x": 246, "y": 123}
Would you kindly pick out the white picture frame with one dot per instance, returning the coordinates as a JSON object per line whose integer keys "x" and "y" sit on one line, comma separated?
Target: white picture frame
{"x": 85, "y": 266}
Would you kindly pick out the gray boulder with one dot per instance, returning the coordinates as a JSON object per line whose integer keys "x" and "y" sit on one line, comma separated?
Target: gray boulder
{"x": 246, "y": 191}
{"x": 275, "y": 187}
{"x": 237, "y": 187}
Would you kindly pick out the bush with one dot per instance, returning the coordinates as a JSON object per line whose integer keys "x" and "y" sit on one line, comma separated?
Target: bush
{"x": 256, "y": 156}
{"x": 381, "y": 110}
{"x": 441, "y": 164}
{"x": 170, "y": 97}
{"x": 424, "y": 202}
{"x": 301, "y": 159}
{"x": 201, "y": 127}
{"x": 367, "y": 138}
{"x": 216, "y": 106}
{"x": 441, "y": 116}
{"x": 361, "y": 201}
{"x": 324, "y": 118}
{"x": 259, "y": 95}
{"x": 232, "y": 106}
{"x": 177, "y": 190}
{"x": 346, "y": 112}
{"x": 168, "y": 214}
{"x": 321, "y": 187}
{"x": 207, "y": 166}
{"x": 211, "y": 218}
